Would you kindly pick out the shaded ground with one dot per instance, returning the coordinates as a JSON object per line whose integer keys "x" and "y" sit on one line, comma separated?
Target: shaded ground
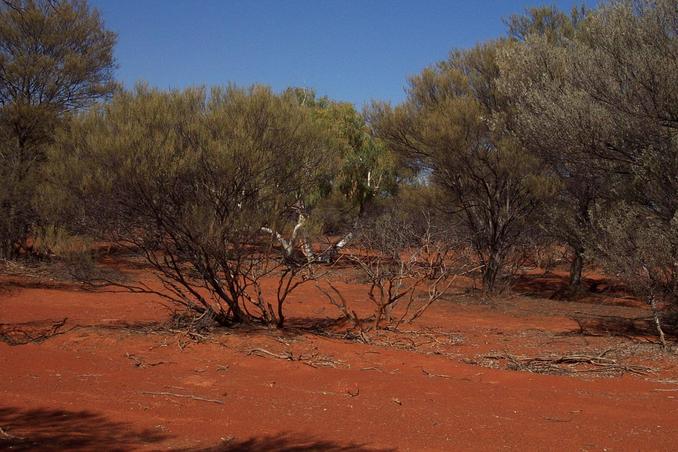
{"x": 118, "y": 379}
{"x": 50, "y": 429}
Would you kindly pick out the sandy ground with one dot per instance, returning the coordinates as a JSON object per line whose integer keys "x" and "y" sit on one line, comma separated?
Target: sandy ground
{"x": 118, "y": 379}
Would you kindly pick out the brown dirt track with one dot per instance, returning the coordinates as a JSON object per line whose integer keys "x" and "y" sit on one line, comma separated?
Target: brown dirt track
{"x": 116, "y": 380}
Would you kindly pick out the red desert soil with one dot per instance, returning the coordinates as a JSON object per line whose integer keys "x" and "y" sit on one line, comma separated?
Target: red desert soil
{"x": 116, "y": 380}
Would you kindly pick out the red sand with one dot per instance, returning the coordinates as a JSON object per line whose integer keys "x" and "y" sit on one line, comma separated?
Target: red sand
{"x": 91, "y": 388}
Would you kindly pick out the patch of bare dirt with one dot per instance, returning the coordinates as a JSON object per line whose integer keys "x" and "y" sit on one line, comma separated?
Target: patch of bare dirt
{"x": 94, "y": 370}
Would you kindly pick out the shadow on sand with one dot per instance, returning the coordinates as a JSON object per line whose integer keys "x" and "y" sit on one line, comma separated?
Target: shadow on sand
{"x": 556, "y": 287}
{"x": 286, "y": 443}
{"x": 57, "y": 430}
{"x": 625, "y": 326}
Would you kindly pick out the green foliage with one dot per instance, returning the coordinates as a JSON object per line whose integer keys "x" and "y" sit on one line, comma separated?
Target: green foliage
{"x": 55, "y": 58}
{"x": 75, "y": 251}
{"x": 552, "y": 130}
{"x": 568, "y": 126}
{"x": 190, "y": 179}
{"x": 600, "y": 107}
{"x": 546, "y": 21}
{"x": 446, "y": 129}
{"x": 639, "y": 247}
{"x": 364, "y": 171}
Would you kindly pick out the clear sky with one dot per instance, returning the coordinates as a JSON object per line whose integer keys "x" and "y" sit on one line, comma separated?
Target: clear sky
{"x": 352, "y": 50}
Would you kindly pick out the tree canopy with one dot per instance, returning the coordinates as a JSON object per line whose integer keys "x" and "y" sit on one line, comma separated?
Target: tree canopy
{"x": 55, "y": 58}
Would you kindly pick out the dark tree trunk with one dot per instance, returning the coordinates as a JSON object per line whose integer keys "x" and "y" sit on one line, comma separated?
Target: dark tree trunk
{"x": 576, "y": 269}
{"x": 281, "y": 317}
{"x": 6, "y": 249}
{"x": 490, "y": 272}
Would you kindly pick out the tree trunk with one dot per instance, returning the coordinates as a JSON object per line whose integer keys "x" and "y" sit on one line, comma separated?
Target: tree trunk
{"x": 490, "y": 272}
{"x": 9, "y": 231}
{"x": 281, "y": 317}
{"x": 6, "y": 249}
{"x": 576, "y": 268}
{"x": 657, "y": 322}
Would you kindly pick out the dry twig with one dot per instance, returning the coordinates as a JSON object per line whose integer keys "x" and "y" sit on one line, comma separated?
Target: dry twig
{"x": 185, "y": 396}
{"x": 17, "y": 336}
{"x": 314, "y": 360}
{"x": 569, "y": 364}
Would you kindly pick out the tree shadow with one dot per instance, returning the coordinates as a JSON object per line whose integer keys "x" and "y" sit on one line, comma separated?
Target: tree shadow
{"x": 556, "y": 287}
{"x": 56, "y": 430}
{"x": 12, "y": 286}
{"x": 315, "y": 325}
{"x": 287, "y": 443}
{"x": 38, "y": 331}
{"x": 21, "y": 333}
{"x": 294, "y": 326}
{"x": 625, "y": 326}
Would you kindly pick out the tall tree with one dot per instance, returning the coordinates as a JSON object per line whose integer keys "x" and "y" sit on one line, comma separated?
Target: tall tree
{"x": 608, "y": 101}
{"x": 547, "y": 32}
{"x": 546, "y": 21}
{"x": 56, "y": 57}
{"x": 365, "y": 169}
{"x": 447, "y": 130}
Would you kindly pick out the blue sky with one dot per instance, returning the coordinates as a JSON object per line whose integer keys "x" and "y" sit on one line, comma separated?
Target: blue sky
{"x": 349, "y": 50}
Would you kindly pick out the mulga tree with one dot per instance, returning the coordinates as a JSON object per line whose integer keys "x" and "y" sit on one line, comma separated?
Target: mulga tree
{"x": 534, "y": 63}
{"x": 613, "y": 103}
{"x": 448, "y": 132}
{"x": 200, "y": 184}
{"x": 56, "y": 57}
{"x": 627, "y": 64}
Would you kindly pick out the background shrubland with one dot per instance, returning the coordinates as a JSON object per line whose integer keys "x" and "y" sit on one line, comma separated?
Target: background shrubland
{"x": 563, "y": 134}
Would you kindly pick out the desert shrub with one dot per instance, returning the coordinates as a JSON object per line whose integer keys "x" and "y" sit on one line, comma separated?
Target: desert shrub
{"x": 74, "y": 251}
{"x": 205, "y": 186}
{"x": 639, "y": 248}
{"x": 406, "y": 258}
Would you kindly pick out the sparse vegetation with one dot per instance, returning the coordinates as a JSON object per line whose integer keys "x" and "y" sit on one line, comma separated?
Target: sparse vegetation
{"x": 517, "y": 211}
{"x": 561, "y": 134}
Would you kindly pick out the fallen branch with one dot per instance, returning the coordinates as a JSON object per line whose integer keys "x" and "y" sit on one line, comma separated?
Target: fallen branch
{"x": 568, "y": 363}
{"x": 11, "y": 336}
{"x": 138, "y": 362}
{"x": 427, "y": 373}
{"x": 287, "y": 355}
{"x": 192, "y": 334}
{"x": 372, "y": 368}
{"x": 184, "y": 396}
{"x": 6, "y": 435}
{"x": 314, "y": 360}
